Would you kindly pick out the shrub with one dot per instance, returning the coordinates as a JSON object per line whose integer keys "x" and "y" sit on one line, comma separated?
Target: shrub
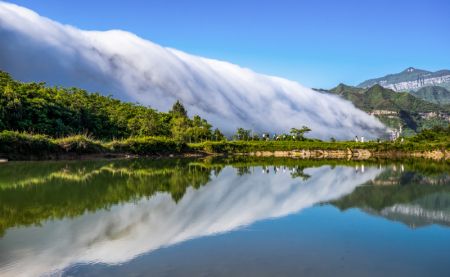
{"x": 147, "y": 145}
{"x": 16, "y": 143}
{"x": 79, "y": 144}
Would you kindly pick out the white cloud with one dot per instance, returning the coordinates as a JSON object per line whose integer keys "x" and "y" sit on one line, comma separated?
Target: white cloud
{"x": 34, "y": 48}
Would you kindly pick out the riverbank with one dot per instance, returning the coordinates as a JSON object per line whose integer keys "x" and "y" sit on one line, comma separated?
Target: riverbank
{"x": 22, "y": 146}
{"x": 358, "y": 154}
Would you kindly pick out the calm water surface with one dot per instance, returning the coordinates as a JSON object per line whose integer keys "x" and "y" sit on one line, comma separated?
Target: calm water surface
{"x": 263, "y": 217}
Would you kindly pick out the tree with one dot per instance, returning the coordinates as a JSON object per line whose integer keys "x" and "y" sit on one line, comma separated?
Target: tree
{"x": 217, "y": 135}
{"x": 299, "y": 133}
{"x": 178, "y": 110}
{"x": 56, "y": 111}
{"x": 179, "y": 128}
{"x": 146, "y": 123}
{"x": 243, "y": 134}
{"x": 255, "y": 136}
{"x": 199, "y": 129}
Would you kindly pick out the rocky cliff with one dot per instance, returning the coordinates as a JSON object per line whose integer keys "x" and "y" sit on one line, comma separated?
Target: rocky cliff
{"x": 411, "y": 79}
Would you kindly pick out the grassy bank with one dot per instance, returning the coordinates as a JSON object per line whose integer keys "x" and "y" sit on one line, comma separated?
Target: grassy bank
{"x": 20, "y": 146}
{"x": 427, "y": 140}
{"x": 230, "y": 147}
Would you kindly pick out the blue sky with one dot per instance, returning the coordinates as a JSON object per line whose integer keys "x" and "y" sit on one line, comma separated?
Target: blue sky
{"x": 318, "y": 43}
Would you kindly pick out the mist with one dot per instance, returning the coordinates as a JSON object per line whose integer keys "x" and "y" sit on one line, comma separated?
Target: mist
{"x": 121, "y": 64}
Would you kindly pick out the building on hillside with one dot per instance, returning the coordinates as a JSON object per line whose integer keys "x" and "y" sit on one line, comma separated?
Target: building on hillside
{"x": 387, "y": 113}
{"x": 429, "y": 115}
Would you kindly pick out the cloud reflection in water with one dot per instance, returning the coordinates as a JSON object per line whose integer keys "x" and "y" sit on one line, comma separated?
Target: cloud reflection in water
{"x": 227, "y": 203}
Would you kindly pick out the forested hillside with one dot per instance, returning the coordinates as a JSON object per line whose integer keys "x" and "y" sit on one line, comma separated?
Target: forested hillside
{"x": 433, "y": 94}
{"x": 58, "y": 112}
{"x": 398, "y": 110}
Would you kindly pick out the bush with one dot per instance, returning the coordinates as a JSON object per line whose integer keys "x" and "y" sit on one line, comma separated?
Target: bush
{"x": 80, "y": 144}
{"x": 229, "y": 147}
{"x": 147, "y": 145}
{"x": 15, "y": 143}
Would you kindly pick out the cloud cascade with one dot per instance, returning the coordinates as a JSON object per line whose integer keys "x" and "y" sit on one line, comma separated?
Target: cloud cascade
{"x": 35, "y": 48}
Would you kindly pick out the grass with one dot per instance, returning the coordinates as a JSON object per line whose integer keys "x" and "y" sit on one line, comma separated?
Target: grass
{"x": 79, "y": 144}
{"x": 16, "y": 145}
{"x": 253, "y": 146}
{"x": 146, "y": 145}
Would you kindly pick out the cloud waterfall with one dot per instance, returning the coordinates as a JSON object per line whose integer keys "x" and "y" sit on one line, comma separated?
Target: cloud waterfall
{"x": 35, "y": 48}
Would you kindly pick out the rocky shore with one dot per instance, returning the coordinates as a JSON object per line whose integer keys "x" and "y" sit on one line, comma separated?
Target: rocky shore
{"x": 361, "y": 154}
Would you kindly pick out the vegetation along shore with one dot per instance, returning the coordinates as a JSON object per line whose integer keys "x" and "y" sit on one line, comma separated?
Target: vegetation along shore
{"x": 39, "y": 122}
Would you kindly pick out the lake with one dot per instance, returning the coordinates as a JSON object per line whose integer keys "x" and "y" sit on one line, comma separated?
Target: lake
{"x": 225, "y": 217}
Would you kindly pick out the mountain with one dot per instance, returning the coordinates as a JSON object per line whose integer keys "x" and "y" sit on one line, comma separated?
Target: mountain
{"x": 411, "y": 79}
{"x": 121, "y": 64}
{"x": 411, "y": 197}
{"x": 433, "y": 94}
{"x": 399, "y": 110}
{"x": 380, "y": 98}
{"x": 431, "y": 209}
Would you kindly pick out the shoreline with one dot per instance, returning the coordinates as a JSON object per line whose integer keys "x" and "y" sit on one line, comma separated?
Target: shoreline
{"x": 358, "y": 154}
{"x": 23, "y": 146}
{"x": 349, "y": 154}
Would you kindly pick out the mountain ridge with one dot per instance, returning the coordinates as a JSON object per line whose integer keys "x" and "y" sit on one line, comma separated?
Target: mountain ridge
{"x": 433, "y": 94}
{"x": 410, "y": 79}
{"x": 397, "y": 110}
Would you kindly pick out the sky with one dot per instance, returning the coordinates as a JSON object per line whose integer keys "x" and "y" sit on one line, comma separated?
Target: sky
{"x": 317, "y": 43}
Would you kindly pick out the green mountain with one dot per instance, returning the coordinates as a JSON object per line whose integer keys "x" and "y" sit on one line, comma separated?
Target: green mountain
{"x": 411, "y": 79}
{"x": 433, "y": 94}
{"x": 380, "y": 98}
{"x": 416, "y": 198}
{"x": 399, "y": 110}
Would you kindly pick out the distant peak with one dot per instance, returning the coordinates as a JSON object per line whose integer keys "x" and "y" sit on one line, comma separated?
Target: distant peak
{"x": 376, "y": 86}
{"x": 410, "y": 69}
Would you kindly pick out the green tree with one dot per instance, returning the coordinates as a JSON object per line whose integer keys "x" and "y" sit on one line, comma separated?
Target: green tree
{"x": 200, "y": 129}
{"x": 57, "y": 112}
{"x": 300, "y": 133}
{"x": 217, "y": 135}
{"x": 242, "y": 134}
{"x": 178, "y": 110}
{"x": 179, "y": 128}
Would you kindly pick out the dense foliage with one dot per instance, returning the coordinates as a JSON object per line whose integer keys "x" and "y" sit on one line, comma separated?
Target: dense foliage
{"x": 433, "y": 94}
{"x": 408, "y": 112}
{"x": 58, "y": 112}
{"x": 434, "y": 135}
{"x": 15, "y": 145}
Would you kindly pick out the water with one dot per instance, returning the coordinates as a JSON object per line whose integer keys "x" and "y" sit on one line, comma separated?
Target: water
{"x": 235, "y": 217}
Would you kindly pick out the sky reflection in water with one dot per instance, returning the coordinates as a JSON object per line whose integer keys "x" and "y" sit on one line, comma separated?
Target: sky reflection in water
{"x": 143, "y": 234}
